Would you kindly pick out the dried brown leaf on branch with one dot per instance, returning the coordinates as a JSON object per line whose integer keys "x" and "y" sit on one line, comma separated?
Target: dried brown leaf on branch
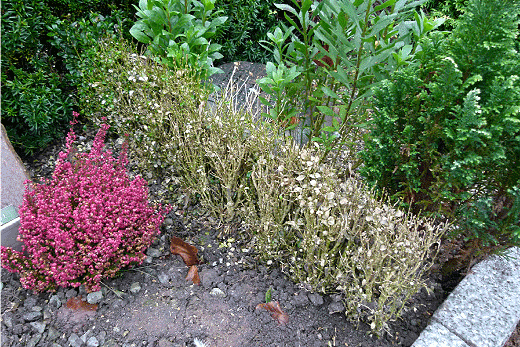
{"x": 187, "y": 252}
{"x": 193, "y": 275}
{"x": 77, "y": 304}
{"x": 276, "y": 311}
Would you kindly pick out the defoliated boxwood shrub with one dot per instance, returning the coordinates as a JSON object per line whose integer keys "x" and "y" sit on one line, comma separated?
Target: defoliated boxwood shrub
{"x": 85, "y": 224}
{"x": 174, "y": 131}
{"x": 446, "y": 130}
{"x": 335, "y": 236}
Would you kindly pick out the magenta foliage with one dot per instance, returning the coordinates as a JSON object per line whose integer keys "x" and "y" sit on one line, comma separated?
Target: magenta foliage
{"x": 86, "y": 223}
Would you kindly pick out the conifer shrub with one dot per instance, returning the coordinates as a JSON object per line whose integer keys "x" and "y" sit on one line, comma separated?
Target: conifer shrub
{"x": 446, "y": 130}
{"x": 85, "y": 224}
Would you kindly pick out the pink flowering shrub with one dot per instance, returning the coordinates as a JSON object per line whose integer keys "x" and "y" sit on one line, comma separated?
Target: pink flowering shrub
{"x": 84, "y": 224}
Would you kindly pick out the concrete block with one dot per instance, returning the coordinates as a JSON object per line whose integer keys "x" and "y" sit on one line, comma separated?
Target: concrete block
{"x": 484, "y": 309}
{"x": 437, "y": 335}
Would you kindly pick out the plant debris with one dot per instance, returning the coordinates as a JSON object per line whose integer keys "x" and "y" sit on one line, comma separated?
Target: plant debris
{"x": 276, "y": 311}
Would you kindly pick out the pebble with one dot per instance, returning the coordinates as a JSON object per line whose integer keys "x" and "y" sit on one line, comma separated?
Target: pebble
{"x": 40, "y": 327}
{"x": 135, "y": 287}
{"x": 335, "y": 307}
{"x": 153, "y": 252}
{"x": 32, "y": 316}
{"x": 55, "y": 302}
{"x": 52, "y": 334}
{"x": 75, "y": 341}
{"x": 95, "y": 297}
{"x": 92, "y": 342}
{"x": 217, "y": 292}
{"x": 164, "y": 278}
{"x": 34, "y": 340}
{"x": 316, "y": 299}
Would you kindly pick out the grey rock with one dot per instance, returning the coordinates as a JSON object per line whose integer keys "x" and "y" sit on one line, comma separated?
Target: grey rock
{"x": 75, "y": 341}
{"x": 52, "y": 334}
{"x": 56, "y": 345}
{"x": 101, "y": 337}
{"x": 32, "y": 316}
{"x": 300, "y": 300}
{"x": 335, "y": 307}
{"x": 71, "y": 293}
{"x": 84, "y": 337}
{"x": 38, "y": 326}
{"x": 29, "y": 302}
{"x": 164, "y": 343}
{"x": 316, "y": 299}
{"x": 168, "y": 221}
{"x": 135, "y": 287}
{"x": 8, "y": 321}
{"x": 209, "y": 277}
{"x": 92, "y": 342}
{"x": 110, "y": 343}
{"x": 336, "y": 297}
{"x": 153, "y": 252}
{"x": 37, "y": 308}
{"x": 163, "y": 278}
{"x": 34, "y": 341}
{"x": 95, "y": 297}
{"x": 54, "y": 302}
{"x": 217, "y": 292}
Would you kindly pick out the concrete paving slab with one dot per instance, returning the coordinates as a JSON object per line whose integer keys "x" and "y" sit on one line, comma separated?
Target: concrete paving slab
{"x": 484, "y": 309}
{"x": 437, "y": 335}
{"x": 12, "y": 172}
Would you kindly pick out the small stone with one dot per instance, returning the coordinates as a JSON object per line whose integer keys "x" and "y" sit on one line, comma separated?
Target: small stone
{"x": 415, "y": 322}
{"x": 95, "y": 297}
{"x": 101, "y": 336}
{"x": 37, "y": 308}
{"x": 92, "y": 342}
{"x": 56, "y": 345}
{"x": 135, "y": 287}
{"x": 116, "y": 330}
{"x": 110, "y": 343}
{"x": 335, "y": 307}
{"x": 29, "y": 302}
{"x": 164, "y": 343}
{"x": 32, "y": 316}
{"x": 8, "y": 321}
{"x": 316, "y": 299}
{"x": 55, "y": 302}
{"x": 163, "y": 278}
{"x": 217, "y": 292}
{"x": 52, "y": 334}
{"x": 168, "y": 221}
{"x": 153, "y": 252}
{"x": 38, "y": 326}
{"x": 34, "y": 341}
{"x": 71, "y": 293}
{"x": 75, "y": 341}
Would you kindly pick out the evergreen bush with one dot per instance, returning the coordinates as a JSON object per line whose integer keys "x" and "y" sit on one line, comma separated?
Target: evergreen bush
{"x": 446, "y": 130}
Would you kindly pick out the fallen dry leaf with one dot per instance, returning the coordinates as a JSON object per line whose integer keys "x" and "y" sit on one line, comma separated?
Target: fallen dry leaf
{"x": 193, "y": 275}
{"x": 276, "y": 311}
{"x": 187, "y": 252}
{"x": 77, "y": 304}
